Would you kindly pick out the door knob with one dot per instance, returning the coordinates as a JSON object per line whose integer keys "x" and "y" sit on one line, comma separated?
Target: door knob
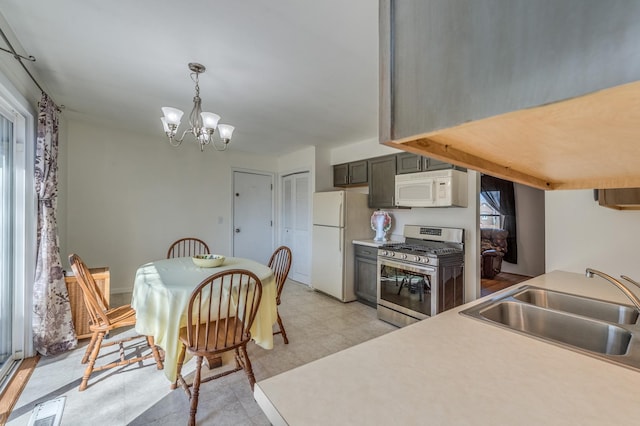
{"x": 237, "y": 230}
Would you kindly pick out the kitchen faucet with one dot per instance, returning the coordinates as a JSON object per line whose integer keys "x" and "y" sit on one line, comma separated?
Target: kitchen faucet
{"x": 591, "y": 272}
{"x": 634, "y": 282}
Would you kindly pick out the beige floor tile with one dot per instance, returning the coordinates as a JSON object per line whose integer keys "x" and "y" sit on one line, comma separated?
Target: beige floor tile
{"x": 316, "y": 325}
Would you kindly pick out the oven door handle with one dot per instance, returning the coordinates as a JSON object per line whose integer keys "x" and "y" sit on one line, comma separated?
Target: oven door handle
{"x": 406, "y": 266}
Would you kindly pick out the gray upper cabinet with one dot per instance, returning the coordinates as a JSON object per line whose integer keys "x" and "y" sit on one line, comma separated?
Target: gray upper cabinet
{"x": 408, "y": 162}
{"x": 351, "y": 174}
{"x": 382, "y": 181}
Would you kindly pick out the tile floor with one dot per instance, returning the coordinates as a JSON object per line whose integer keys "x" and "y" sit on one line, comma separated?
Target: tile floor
{"x": 316, "y": 325}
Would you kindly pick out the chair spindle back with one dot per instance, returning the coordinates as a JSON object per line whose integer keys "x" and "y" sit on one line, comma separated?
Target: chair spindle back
{"x": 186, "y": 247}
{"x": 222, "y": 309}
{"x": 280, "y": 263}
{"x": 94, "y": 299}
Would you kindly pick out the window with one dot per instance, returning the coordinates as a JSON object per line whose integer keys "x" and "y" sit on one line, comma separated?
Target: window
{"x": 498, "y": 210}
{"x": 489, "y": 216}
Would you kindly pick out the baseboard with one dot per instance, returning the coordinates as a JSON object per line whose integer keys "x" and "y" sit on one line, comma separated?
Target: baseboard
{"x": 16, "y": 385}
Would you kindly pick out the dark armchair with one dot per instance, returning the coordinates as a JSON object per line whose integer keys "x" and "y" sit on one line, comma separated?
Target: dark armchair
{"x": 493, "y": 246}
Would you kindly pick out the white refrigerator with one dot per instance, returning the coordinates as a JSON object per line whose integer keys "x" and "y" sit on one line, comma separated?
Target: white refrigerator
{"x": 338, "y": 218}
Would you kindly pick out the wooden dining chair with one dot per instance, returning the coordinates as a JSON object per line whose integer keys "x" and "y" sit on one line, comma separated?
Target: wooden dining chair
{"x": 220, "y": 313}
{"x": 185, "y": 247}
{"x": 280, "y": 263}
{"x": 103, "y": 320}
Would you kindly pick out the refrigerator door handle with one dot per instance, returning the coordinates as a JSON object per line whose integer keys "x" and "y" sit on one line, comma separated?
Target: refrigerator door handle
{"x": 341, "y": 214}
{"x": 340, "y": 241}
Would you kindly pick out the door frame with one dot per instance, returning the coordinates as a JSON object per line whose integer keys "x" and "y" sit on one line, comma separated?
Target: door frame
{"x": 232, "y": 203}
{"x": 23, "y": 260}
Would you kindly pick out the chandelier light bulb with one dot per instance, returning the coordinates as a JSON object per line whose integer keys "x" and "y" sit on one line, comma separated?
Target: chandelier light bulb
{"x": 209, "y": 120}
{"x": 172, "y": 115}
{"x": 225, "y": 131}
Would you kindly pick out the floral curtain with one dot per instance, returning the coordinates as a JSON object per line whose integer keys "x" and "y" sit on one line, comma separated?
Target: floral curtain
{"x": 53, "y": 330}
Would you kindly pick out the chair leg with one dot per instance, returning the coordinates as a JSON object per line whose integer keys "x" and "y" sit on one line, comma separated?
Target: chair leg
{"x": 156, "y": 352}
{"x": 195, "y": 393}
{"x": 247, "y": 366}
{"x": 85, "y": 358}
{"x": 284, "y": 333}
{"x": 181, "y": 356}
{"x": 92, "y": 360}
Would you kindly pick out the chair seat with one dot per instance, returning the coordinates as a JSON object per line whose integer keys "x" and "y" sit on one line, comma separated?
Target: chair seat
{"x": 122, "y": 316}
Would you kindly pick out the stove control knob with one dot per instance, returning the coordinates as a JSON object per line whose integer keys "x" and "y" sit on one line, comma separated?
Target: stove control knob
{"x": 425, "y": 260}
{"x": 384, "y": 252}
{"x": 418, "y": 259}
{"x": 392, "y": 254}
{"x": 404, "y": 256}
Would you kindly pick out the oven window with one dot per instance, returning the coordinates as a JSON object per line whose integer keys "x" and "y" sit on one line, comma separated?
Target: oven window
{"x": 406, "y": 289}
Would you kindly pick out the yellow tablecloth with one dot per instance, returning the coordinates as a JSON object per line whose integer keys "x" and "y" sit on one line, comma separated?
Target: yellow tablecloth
{"x": 161, "y": 294}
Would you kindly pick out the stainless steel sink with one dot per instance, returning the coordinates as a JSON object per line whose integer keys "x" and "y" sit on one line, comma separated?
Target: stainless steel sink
{"x": 597, "y": 328}
{"x": 583, "y": 333}
{"x": 585, "y": 306}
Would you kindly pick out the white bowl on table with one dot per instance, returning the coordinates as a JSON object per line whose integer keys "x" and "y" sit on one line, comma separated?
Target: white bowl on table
{"x": 208, "y": 260}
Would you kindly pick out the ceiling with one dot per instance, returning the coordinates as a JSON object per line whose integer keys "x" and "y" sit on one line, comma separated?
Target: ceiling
{"x": 286, "y": 73}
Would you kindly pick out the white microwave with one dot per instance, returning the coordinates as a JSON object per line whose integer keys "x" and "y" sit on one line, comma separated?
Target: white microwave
{"x": 440, "y": 188}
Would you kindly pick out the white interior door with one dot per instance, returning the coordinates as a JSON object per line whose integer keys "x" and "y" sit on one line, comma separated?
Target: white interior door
{"x": 296, "y": 219}
{"x": 252, "y": 216}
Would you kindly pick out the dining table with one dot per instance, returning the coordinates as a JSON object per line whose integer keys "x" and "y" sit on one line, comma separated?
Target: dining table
{"x": 161, "y": 294}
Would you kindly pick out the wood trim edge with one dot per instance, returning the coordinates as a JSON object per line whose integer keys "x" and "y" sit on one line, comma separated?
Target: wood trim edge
{"x": 430, "y": 148}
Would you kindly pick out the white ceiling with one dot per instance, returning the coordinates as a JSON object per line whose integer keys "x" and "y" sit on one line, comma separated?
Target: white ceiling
{"x": 285, "y": 73}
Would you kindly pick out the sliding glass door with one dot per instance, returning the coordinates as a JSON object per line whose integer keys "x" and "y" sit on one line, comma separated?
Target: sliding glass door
{"x": 6, "y": 239}
{"x": 17, "y": 229}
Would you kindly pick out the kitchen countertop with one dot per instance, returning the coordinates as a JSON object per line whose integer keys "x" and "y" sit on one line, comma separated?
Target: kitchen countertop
{"x": 374, "y": 243}
{"x": 453, "y": 369}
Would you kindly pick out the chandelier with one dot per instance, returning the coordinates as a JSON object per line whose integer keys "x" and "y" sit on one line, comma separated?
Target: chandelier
{"x": 202, "y": 124}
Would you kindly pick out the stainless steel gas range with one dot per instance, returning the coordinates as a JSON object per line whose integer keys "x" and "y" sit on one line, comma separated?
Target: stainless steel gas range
{"x": 422, "y": 276}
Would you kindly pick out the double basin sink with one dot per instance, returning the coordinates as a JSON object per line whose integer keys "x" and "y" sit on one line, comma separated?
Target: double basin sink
{"x": 601, "y": 329}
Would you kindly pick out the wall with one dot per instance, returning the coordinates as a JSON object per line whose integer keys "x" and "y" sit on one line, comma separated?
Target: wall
{"x": 130, "y": 195}
{"x": 359, "y": 150}
{"x": 581, "y": 234}
{"x": 530, "y": 232}
{"x": 323, "y": 172}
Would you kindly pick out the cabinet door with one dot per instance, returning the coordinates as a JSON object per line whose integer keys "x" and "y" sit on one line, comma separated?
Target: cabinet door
{"x": 433, "y": 164}
{"x": 358, "y": 172}
{"x": 341, "y": 175}
{"x": 408, "y": 162}
{"x": 366, "y": 280}
{"x": 382, "y": 181}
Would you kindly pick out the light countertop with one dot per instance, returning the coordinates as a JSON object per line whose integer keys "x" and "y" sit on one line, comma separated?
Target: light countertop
{"x": 374, "y": 243}
{"x": 453, "y": 369}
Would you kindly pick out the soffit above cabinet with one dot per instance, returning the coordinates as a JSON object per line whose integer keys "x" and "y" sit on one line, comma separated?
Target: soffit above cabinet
{"x": 542, "y": 93}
